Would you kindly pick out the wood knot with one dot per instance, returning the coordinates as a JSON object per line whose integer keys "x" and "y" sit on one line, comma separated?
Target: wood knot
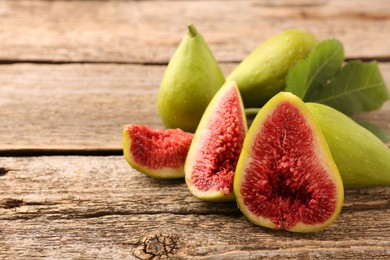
{"x": 9, "y": 203}
{"x": 157, "y": 246}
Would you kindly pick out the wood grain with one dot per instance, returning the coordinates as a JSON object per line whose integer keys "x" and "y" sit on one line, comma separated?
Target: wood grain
{"x": 88, "y": 207}
{"x": 84, "y": 106}
{"x": 144, "y": 32}
{"x": 72, "y": 73}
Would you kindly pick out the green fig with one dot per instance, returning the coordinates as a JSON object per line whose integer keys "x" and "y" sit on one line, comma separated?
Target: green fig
{"x": 362, "y": 158}
{"x": 190, "y": 81}
{"x": 262, "y": 74}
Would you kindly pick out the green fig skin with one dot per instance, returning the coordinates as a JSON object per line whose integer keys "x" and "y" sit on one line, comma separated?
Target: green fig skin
{"x": 190, "y": 81}
{"x": 362, "y": 159}
{"x": 262, "y": 74}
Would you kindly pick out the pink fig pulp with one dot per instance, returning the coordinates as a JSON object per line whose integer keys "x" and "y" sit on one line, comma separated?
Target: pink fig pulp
{"x": 157, "y": 153}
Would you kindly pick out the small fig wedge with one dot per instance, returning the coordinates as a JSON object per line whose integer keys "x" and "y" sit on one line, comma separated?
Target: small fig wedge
{"x": 262, "y": 74}
{"x": 285, "y": 176}
{"x": 190, "y": 81}
{"x": 362, "y": 158}
{"x": 157, "y": 153}
{"x": 214, "y": 151}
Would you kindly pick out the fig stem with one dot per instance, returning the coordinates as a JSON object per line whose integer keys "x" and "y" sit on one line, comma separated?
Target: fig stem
{"x": 192, "y": 30}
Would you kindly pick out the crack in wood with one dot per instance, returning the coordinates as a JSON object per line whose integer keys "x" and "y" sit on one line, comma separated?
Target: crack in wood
{"x": 9, "y": 203}
{"x": 64, "y": 62}
{"x": 55, "y": 214}
{"x": 68, "y": 209}
{"x": 157, "y": 63}
{"x": 56, "y": 152}
{"x": 3, "y": 171}
{"x": 371, "y": 205}
{"x": 99, "y": 214}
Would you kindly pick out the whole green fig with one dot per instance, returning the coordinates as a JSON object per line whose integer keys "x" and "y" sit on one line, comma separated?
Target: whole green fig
{"x": 262, "y": 74}
{"x": 190, "y": 81}
{"x": 362, "y": 159}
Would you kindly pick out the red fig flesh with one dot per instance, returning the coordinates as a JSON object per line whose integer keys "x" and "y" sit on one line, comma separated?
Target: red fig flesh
{"x": 156, "y": 153}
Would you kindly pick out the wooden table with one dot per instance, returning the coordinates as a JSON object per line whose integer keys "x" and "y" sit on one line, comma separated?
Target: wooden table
{"x": 72, "y": 73}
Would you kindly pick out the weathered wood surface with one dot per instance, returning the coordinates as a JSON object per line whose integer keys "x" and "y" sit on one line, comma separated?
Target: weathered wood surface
{"x": 82, "y": 107}
{"x": 98, "y": 207}
{"x": 72, "y": 73}
{"x": 149, "y": 31}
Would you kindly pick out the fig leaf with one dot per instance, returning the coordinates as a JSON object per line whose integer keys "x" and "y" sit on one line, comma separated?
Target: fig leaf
{"x": 353, "y": 88}
{"x": 357, "y": 87}
{"x": 313, "y": 72}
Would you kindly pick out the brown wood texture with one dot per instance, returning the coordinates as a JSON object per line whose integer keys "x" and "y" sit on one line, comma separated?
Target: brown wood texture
{"x": 149, "y": 31}
{"x": 98, "y": 207}
{"x": 72, "y": 73}
{"x": 84, "y": 106}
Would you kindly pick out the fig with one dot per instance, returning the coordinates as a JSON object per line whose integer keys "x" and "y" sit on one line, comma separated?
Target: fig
{"x": 286, "y": 177}
{"x": 214, "y": 151}
{"x": 157, "y": 153}
{"x": 362, "y": 158}
{"x": 262, "y": 74}
{"x": 190, "y": 81}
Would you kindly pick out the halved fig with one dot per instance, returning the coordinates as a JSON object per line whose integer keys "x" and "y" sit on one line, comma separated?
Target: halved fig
{"x": 157, "y": 153}
{"x": 217, "y": 143}
{"x": 286, "y": 177}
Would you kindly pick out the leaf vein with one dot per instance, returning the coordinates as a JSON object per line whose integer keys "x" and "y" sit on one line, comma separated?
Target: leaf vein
{"x": 349, "y": 92}
{"x": 319, "y": 69}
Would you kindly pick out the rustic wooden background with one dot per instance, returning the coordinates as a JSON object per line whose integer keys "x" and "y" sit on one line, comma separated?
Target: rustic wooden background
{"x": 72, "y": 73}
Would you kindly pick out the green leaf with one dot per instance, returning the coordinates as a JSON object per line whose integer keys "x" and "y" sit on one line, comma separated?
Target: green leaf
{"x": 357, "y": 87}
{"x": 320, "y": 77}
{"x": 314, "y": 72}
{"x": 375, "y": 129}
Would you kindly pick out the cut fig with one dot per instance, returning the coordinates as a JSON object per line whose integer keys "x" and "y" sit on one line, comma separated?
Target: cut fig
{"x": 286, "y": 177}
{"x": 217, "y": 143}
{"x": 157, "y": 153}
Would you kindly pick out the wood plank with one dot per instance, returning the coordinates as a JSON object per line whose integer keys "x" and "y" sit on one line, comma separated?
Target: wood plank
{"x": 190, "y": 236}
{"x": 84, "y": 107}
{"x": 146, "y": 32}
{"x": 58, "y": 103}
{"x": 87, "y": 207}
{"x": 107, "y": 185}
